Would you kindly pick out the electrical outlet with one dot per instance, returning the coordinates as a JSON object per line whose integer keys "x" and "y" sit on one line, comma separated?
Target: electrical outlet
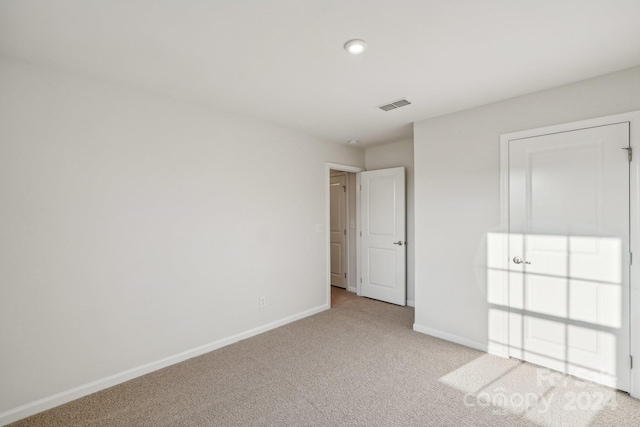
{"x": 263, "y": 302}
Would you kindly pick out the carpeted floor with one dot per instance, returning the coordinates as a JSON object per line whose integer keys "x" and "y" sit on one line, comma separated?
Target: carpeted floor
{"x": 358, "y": 364}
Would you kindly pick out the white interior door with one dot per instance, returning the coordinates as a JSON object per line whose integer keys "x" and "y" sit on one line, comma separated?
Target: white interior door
{"x": 568, "y": 252}
{"x": 338, "y": 229}
{"x": 383, "y": 244}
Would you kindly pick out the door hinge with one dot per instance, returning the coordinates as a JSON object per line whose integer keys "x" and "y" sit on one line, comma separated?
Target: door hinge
{"x": 630, "y": 362}
{"x": 360, "y": 187}
{"x": 345, "y": 231}
{"x": 630, "y": 258}
{"x": 344, "y": 188}
{"x": 345, "y": 275}
{"x": 630, "y": 152}
{"x": 361, "y": 280}
{"x": 360, "y": 233}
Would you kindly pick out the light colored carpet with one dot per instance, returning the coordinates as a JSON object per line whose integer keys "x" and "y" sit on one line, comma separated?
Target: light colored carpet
{"x": 358, "y": 364}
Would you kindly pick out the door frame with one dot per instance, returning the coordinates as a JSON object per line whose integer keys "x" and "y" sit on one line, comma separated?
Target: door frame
{"x": 345, "y": 251}
{"x": 501, "y": 348}
{"x": 327, "y": 218}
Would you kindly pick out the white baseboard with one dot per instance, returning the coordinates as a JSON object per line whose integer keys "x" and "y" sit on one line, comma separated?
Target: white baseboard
{"x": 450, "y": 337}
{"x": 352, "y": 289}
{"x": 66, "y": 396}
{"x": 411, "y": 303}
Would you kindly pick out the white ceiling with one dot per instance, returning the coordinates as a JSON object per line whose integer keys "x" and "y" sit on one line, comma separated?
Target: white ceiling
{"x": 282, "y": 61}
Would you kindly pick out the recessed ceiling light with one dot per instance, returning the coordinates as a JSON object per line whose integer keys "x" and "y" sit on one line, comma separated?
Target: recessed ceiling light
{"x": 355, "y": 47}
{"x": 353, "y": 141}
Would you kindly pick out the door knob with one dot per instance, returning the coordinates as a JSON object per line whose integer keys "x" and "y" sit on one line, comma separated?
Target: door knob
{"x": 399, "y": 242}
{"x": 518, "y": 260}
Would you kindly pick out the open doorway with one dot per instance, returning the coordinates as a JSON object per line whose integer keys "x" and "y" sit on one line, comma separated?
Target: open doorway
{"x": 339, "y": 212}
{"x": 342, "y": 232}
{"x": 342, "y": 225}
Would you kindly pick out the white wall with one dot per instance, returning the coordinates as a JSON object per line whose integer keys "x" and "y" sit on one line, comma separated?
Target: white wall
{"x": 393, "y": 155}
{"x": 134, "y": 228}
{"x": 457, "y": 188}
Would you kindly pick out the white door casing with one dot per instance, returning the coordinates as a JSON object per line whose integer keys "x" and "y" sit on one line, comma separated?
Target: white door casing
{"x": 329, "y": 169}
{"x": 568, "y": 252}
{"x": 338, "y": 229}
{"x": 383, "y": 240}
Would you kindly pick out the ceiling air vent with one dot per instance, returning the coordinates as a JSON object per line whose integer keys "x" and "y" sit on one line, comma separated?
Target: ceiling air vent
{"x": 393, "y": 105}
